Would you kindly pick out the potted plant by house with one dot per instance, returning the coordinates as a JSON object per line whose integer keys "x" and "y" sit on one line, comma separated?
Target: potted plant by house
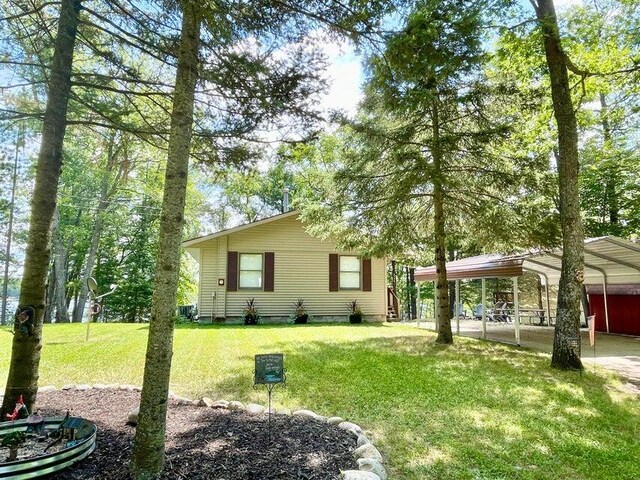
{"x": 355, "y": 314}
{"x": 300, "y": 312}
{"x": 251, "y": 315}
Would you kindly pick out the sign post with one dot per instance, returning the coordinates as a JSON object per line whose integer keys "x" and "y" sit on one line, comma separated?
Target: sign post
{"x": 591, "y": 320}
{"x": 269, "y": 371}
{"x": 95, "y": 301}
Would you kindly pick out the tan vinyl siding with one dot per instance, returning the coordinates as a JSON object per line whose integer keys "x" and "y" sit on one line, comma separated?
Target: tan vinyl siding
{"x": 221, "y": 290}
{"x": 208, "y": 279}
{"x": 301, "y": 271}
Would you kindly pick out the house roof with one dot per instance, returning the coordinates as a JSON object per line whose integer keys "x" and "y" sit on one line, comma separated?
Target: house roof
{"x": 614, "y": 258}
{"x": 192, "y": 243}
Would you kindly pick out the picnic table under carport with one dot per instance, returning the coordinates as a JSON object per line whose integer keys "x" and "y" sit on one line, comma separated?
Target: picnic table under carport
{"x": 609, "y": 262}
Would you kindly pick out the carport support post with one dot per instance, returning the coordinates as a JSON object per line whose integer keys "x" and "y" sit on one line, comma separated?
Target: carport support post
{"x": 419, "y": 304}
{"x": 546, "y": 293}
{"x": 516, "y": 305}
{"x": 457, "y": 307}
{"x": 484, "y": 309}
{"x": 606, "y": 304}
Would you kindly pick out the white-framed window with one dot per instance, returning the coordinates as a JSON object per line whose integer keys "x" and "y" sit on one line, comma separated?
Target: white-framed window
{"x": 350, "y": 268}
{"x": 250, "y": 272}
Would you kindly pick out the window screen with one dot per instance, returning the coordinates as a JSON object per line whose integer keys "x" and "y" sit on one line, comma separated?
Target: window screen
{"x": 349, "y": 272}
{"x": 250, "y": 270}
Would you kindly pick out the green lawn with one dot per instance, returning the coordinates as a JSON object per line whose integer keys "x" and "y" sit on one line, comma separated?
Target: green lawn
{"x": 471, "y": 411}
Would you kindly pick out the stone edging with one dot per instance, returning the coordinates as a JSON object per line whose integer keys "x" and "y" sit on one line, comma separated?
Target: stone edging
{"x": 370, "y": 461}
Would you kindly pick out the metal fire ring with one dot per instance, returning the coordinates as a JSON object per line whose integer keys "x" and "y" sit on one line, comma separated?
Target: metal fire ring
{"x": 52, "y": 462}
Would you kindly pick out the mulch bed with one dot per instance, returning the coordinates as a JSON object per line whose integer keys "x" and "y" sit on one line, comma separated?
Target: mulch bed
{"x": 205, "y": 443}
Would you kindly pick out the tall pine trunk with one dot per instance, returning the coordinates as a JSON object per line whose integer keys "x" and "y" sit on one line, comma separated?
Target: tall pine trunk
{"x": 610, "y": 171}
{"x": 148, "y": 448}
{"x": 103, "y": 204}
{"x": 7, "y": 253}
{"x": 59, "y": 299}
{"x": 51, "y": 290}
{"x": 56, "y": 288}
{"x": 25, "y": 352}
{"x": 60, "y": 266}
{"x": 539, "y": 298}
{"x": 565, "y": 356}
{"x": 443, "y": 315}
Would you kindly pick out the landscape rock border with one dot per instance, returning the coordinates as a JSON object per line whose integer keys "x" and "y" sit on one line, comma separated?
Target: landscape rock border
{"x": 370, "y": 460}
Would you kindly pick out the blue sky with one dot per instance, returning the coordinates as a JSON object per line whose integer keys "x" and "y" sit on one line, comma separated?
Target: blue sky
{"x": 346, "y": 75}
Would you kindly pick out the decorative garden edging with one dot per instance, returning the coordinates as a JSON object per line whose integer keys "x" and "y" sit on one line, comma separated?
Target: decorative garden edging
{"x": 49, "y": 463}
{"x": 370, "y": 460}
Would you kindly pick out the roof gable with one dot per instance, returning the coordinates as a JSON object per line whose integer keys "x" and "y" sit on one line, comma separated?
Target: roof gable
{"x": 192, "y": 243}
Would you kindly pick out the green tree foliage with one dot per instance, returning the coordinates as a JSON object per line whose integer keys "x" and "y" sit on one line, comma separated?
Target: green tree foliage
{"x": 600, "y": 40}
{"x": 424, "y": 164}
{"x": 287, "y": 84}
{"x": 589, "y": 54}
{"x": 254, "y": 194}
{"x": 258, "y": 192}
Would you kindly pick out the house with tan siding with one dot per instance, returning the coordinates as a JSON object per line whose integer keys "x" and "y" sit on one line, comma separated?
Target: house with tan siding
{"x": 275, "y": 261}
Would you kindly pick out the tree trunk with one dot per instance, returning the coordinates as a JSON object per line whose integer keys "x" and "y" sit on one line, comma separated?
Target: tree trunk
{"x": 566, "y": 342}
{"x": 444, "y": 312}
{"x": 540, "y": 305}
{"x": 148, "y": 448}
{"x": 58, "y": 300}
{"x": 103, "y": 203}
{"x": 414, "y": 300}
{"x": 25, "y": 352}
{"x": 610, "y": 170}
{"x": 51, "y": 290}
{"x": 60, "y": 265}
{"x": 73, "y": 270}
{"x": 7, "y": 253}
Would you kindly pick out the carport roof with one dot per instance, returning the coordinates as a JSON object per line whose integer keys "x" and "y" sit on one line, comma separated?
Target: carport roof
{"x": 481, "y": 266}
{"x": 614, "y": 258}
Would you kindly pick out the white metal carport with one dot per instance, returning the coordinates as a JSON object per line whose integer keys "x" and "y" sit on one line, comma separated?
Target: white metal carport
{"x": 608, "y": 260}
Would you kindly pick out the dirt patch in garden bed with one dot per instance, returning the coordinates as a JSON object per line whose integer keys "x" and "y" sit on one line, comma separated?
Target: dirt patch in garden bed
{"x": 205, "y": 443}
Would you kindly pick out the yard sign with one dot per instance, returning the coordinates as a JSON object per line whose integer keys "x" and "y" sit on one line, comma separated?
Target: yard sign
{"x": 269, "y": 369}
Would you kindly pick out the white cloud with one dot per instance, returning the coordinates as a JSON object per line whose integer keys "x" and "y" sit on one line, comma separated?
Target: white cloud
{"x": 565, "y": 3}
{"x": 345, "y": 78}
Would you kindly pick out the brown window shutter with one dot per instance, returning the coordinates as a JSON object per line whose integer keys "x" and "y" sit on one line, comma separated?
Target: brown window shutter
{"x": 334, "y": 272}
{"x": 232, "y": 271}
{"x": 366, "y": 274}
{"x": 269, "y": 264}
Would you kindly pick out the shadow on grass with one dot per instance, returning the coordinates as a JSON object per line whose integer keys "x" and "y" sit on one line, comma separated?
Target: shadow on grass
{"x": 473, "y": 410}
{"x": 269, "y": 326}
{"x": 470, "y": 410}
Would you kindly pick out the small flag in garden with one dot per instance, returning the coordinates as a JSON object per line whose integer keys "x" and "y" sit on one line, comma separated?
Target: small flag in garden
{"x": 592, "y": 330}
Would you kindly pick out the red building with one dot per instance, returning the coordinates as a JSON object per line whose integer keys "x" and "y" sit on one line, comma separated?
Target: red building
{"x": 623, "y": 303}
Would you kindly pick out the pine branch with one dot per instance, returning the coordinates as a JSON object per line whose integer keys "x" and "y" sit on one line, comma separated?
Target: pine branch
{"x": 28, "y": 12}
{"x": 133, "y": 79}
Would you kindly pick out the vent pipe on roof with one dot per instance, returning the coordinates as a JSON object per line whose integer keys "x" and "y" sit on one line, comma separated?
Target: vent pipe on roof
{"x": 285, "y": 200}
